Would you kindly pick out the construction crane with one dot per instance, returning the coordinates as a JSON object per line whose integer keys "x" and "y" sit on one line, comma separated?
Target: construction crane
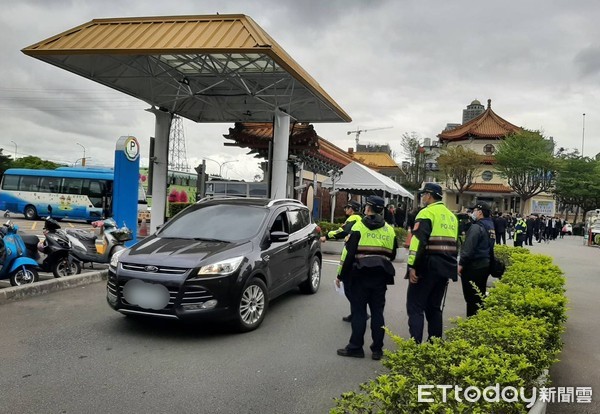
{"x": 360, "y": 131}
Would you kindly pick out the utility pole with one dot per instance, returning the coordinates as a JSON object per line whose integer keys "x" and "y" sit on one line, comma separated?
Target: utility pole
{"x": 360, "y": 131}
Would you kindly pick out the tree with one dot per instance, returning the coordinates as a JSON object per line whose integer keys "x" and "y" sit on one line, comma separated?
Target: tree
{"x": 458, "y": 164}
{"x": 5, "y": 162}
{"x": 416, "y": 154}
{"x": 34, "y": 163}
{"x": 578, "y": 182}
{"x": 525, "y": 159}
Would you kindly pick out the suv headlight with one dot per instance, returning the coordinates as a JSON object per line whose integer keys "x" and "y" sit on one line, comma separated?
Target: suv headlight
{"x": 114, "y": 260}
{"x": 224, "y": 267}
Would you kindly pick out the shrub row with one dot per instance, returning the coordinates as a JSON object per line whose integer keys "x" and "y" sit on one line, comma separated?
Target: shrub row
{"x": 327, "y": 226}
{"x": 511, "y": 342}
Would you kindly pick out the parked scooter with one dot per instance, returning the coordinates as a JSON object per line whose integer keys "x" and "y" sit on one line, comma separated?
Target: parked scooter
{"x": 57, "y": 248}
{"x": 16, "y": 266}
{"x": 91, "y": 248}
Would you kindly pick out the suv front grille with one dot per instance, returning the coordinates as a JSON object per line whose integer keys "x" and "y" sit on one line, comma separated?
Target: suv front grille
{"x": 193, "y": 295}
{"x": 164, "y": 270}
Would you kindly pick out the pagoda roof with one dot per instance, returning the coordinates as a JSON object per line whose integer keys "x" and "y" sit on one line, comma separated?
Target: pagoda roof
{"x": 489, "y": 188}
{"x": 375, "y": 160}
{"x": 488, "y": 125}
{"x": 320, "y": 154}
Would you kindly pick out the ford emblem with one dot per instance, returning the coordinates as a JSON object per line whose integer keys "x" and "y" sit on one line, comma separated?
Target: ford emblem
{"x": 152, "y": 269}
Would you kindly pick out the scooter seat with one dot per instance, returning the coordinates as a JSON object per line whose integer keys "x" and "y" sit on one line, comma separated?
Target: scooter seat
{"x": 84, "y": 236}
{"x": 30, "y": 240}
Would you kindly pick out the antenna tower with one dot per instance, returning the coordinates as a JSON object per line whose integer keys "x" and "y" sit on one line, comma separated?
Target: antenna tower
{"x": 177, "y": 152}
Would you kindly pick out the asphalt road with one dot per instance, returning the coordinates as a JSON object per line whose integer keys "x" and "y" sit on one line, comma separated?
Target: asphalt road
{"x": 68, "y": 352}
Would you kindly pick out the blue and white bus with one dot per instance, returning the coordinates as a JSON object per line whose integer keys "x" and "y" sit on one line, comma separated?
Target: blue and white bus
{"x": 74, "y": 193}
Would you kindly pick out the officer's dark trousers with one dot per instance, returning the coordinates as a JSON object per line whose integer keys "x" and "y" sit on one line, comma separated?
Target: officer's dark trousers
{"x": 519, "y": 238}
{"x": 424, "y": 300}
{"x": 501, "y": 237}
{"x": 477, "y": 273}
{"x": 367, "y": 289}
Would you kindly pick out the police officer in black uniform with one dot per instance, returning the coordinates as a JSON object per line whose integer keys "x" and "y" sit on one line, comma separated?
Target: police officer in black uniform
{"x": 367, "y": 267}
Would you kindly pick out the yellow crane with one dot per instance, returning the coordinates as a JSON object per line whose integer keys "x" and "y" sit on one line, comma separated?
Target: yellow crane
{"x": 360, "y": 131}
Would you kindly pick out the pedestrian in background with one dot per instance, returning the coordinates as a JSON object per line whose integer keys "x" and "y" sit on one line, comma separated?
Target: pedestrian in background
{"x": 431, "y": 263}
{"x": 367, "y": 268}
{"x": 352, "y": 210}
{"x": 475, "y": 256}
{"x": 520, "y": 230}
{"x": 500, "y": 225}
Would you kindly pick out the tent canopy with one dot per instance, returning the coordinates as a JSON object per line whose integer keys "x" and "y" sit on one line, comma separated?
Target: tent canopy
{"x": 360, "y": 179}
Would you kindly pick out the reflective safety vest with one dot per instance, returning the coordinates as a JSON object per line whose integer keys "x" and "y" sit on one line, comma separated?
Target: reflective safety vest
{"x": 373, "y": 242}
{"x": 521, "y": 226}
{"x": 444, "y": 232}
{"x": 353, "y": 218}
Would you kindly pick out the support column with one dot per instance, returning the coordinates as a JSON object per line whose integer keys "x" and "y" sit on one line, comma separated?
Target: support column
{"x": 281, "y": 144}
{"x": 160, "y": 167}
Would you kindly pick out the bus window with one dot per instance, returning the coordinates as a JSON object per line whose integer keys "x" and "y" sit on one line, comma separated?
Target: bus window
{"x": 10, "y": 182}
{"x": 49, "y": 184}
{"x": 72, "y": 185}
{"x": 93, "y": 189}
{"x": 29, "y": 183}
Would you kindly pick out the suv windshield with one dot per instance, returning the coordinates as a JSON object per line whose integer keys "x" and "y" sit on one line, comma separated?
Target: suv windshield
{"x": 220, "y": 222}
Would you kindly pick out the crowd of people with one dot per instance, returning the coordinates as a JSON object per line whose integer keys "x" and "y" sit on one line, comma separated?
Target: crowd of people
{"x": 524, "y": 229}
{"x": 435, "y": 236}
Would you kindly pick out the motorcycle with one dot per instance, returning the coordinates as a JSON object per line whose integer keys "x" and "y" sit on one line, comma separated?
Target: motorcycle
{"x": 57, "y": 248}
{"x": 92, "y": 248}
{"x": 16, "y": 266}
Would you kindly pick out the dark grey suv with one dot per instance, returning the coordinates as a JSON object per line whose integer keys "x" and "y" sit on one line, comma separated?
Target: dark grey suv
{"x": 222, "y": 258}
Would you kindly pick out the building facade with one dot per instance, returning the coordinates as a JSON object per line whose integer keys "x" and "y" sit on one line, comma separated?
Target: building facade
{"x": 483, "y": 134}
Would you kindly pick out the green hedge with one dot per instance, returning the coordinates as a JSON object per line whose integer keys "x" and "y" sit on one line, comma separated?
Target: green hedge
{"x": 511, "y": 342}
{"x": 327, "y": 226}
{"x": 175, "y": 208}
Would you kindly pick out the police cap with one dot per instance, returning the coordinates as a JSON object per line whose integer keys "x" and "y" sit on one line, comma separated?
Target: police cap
{"x": 481, "y": 205}
{"x": 354, "y": 205}
{"x": 432, "y": 188}
{"x": 376, "y": 202}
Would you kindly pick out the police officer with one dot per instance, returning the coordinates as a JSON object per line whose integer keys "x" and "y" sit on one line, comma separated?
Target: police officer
{"x": 431, "y": 262}
{"x": 367, "y": 268}
{"x": 475, "y": 255}
{"x": 351, "y": 209}
{"x": 520, "y": 231}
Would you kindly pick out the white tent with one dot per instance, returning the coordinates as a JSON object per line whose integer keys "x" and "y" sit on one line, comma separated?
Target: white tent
{"x": 356, "y": 176}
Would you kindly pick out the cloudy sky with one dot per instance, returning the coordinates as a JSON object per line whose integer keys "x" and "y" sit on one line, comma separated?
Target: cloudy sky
{"x": 410, "y": 65}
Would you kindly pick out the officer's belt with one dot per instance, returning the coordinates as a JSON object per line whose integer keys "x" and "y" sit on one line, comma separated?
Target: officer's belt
{"x": 441, "y": 248}
{"x": 362, "y": 256}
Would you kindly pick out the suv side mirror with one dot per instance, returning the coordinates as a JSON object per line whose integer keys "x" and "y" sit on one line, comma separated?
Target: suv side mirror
{"x": 279, "y": 236}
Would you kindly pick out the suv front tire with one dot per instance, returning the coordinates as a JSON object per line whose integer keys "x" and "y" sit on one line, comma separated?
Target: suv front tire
{"x": 252, "y": 306}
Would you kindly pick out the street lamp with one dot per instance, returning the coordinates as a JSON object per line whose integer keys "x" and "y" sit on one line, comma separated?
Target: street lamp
{"x": 83, "y": 159}
{"x": 15, "y": 148}
{"x": 220, "y": 164}
{"x": 583, "y": 135}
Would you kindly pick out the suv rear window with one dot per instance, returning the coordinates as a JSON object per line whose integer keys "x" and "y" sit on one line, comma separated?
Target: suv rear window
{"x": 298, "y": 219}
{"x": 222, "y": 222}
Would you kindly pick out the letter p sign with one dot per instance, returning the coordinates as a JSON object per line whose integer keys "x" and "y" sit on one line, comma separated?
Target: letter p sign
{"x": 132, "y": 148}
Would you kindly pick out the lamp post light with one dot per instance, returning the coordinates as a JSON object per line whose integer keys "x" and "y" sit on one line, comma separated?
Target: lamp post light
{"x": 220, "y": 164}
{"x": 15, "y": 148}
{"x": 583, "y": 135}
{"x": 83, "y": 159}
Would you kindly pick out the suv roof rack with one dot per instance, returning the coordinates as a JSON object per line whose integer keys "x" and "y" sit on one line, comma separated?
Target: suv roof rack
{"x": 284, "y": 200}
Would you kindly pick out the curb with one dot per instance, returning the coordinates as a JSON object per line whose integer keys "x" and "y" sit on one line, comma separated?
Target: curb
{"x": 16, "y": 293}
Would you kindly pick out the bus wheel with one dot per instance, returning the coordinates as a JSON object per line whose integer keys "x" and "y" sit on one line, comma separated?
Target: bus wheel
{"x": 30, "y": 213}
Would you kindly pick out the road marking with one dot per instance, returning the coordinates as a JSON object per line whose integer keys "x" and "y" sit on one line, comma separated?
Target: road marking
{"x": 330, "y": 261}
{"x": 70, "y": 224}
{"x": 33, "y": 226}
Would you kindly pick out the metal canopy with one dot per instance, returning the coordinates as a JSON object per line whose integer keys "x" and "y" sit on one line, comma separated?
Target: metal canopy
{"x": 221, "y": 68}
